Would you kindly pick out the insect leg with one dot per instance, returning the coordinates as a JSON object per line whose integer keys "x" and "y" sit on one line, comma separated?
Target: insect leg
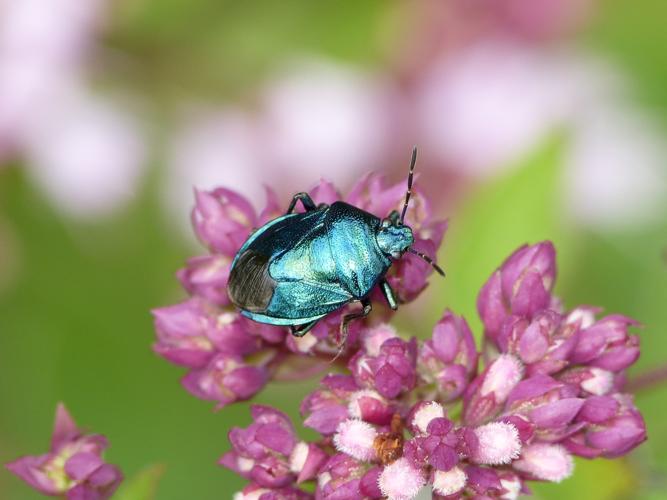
{"x": 344, "y": 325}
{"x": 389, "y": 294}
{"x": 301, "y": 330}
{"x": 306, "y": 201}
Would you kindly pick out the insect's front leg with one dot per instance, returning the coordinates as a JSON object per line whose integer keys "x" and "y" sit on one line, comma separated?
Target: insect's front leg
{"x": 306, "y": 201}
{"x": 389, "y": 294}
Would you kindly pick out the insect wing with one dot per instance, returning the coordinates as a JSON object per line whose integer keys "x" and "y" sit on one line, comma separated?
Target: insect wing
{"x": 284, "y": 273}
{"x": 307, "y": 281}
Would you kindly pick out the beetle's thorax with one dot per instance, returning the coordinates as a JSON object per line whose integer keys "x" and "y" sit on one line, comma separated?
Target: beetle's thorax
{"x": 393, "y": 240}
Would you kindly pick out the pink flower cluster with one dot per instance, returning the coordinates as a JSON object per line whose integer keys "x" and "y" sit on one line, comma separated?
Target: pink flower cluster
{"x": 210, "y": 338}
{"x": 407, "y": 414}
{"x": 73, "y": 468}
{"x": 389, "y": 427}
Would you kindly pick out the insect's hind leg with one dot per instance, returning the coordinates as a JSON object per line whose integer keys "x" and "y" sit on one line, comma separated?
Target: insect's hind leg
{"x": 389, "y": 294}
{"x": 301, "y": 330}
{"x": 348, "y": 318}
{"x": 306, "y": 201}
{"x": 345, "y": 323}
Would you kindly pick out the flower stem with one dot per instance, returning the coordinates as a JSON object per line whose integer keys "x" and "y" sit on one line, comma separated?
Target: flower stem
{"x": 648, "y": 379}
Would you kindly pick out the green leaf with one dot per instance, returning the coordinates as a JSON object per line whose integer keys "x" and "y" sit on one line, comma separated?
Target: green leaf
{"x": 142, "y": 486}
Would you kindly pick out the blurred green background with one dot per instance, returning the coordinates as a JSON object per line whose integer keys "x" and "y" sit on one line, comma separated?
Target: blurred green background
{"x": 75, "y": 291}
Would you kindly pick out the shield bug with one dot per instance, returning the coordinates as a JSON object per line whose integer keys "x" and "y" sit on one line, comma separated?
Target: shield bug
{"x": 299, "y": 267}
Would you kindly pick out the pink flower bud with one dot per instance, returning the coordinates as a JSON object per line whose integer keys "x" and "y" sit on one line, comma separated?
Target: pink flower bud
{"x": 400, "y": 480}
{"x": 450, "y": 357}
{"x": 549, "y": 462}
{"x": 225, "y": 379}
{"x": 438, "y": 447}
{"x": 207, "y": 277}
{"x": 606, "y": 344}
{"x": 305, "y": 461}
{"x": 340, "y": 477}
{"x": 369, "y": 486}
{"x": 499, "y": 443}
{"x": 424, "y": 413}
{"x": 327, "y": 407}
{"x": 485, "y": 396}
{"x": 391, "y": 372}
{"x": 615, "y": 427}
{"x": 521, "y": 286}
{"x": 325, "y": 192}
{"x": 222, "y": 219}
{"x": 449, "y": 482}
{"x": 591, "y": 380}
{"x": 543, "y": 344}
{"x": 356, "y": 438}
{"x": 370, "y": 406}
{"x": 373, "y": 338}
{"x": 182, "y": 332}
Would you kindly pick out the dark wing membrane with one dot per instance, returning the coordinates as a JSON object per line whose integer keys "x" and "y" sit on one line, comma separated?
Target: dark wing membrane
{"x": 250, "y": 285}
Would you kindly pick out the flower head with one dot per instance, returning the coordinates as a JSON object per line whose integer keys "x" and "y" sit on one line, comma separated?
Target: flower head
{"x": 406, "y": 414}
{"x": 269, "y": 453}
{"x": 73, "y": 466}
{"x": 551, "y": 392}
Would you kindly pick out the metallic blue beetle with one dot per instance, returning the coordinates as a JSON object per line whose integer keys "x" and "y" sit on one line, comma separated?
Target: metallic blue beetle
{"x": 298, "y": 268}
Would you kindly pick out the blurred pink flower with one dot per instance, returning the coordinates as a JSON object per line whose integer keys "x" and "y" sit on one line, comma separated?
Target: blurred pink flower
{"x": 41, "y": 43}
{"x": 617, "y": 153}
{"x": 213, "y": 147}
{"x": 85, "y": 151}
{"x": 485, "y": 106}
{"x": 324, "y": 119}
{"x": 541, "y": 19}
{"x": 315, "y": 119}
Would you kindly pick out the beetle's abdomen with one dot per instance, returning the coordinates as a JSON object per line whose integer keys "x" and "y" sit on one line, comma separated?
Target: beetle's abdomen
{"x": 251, "y": 287}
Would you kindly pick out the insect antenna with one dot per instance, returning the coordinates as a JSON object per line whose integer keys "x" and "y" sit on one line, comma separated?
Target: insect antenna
{"x": 413, "y": 161}
{"x": 427, "y": 259}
